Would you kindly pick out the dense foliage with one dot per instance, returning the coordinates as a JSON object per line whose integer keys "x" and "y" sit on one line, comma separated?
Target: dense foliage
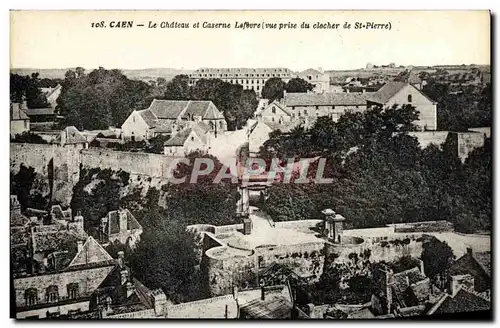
{"x": 380, "y": 174}
{"x": 100, "y": 99}
{"x": 467, "y": 106}
{"x": 437, "y": 257}
{"x": 274, "y": 87}
{"x": 165, "y": 256}
{"x": 28, "y": 189}
{"x": 27, "y": 88}
{"x": 28, "y": 137}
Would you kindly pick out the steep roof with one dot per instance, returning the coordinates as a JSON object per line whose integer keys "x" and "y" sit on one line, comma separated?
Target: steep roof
{"x": 180, "y": 138}
{"x": 324, "y": 99}
{"x": 168, "y": 109}
{"x": 148, "y": 116}
{"x": 17, "y": 114}
{"x": 91, "y": 253}
{"x": 114, "y": 221}
{"x": 465, "y": 264}
{"x": 283, "y": 127}
{"x": 463, "y": 301}
{"x": 163, "y": 126}
{"x": 386, "y": 92}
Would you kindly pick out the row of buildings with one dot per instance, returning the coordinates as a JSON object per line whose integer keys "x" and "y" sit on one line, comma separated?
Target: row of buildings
{"x": 304, "y": 108}
{"x": 255, "y": 78}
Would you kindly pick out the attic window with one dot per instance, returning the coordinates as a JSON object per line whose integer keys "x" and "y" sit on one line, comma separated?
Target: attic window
{"x": 192, "y": 138}
{"x": 409, "y": 98}
{"x": 274, "y": 110}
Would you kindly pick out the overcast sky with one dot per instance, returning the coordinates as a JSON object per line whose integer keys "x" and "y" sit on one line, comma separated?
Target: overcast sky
{"x": 66, "y": 39}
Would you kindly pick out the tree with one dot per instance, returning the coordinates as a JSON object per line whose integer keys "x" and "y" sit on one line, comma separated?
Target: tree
{"x": 437, "y": 257}
{"x": 27, "y": 88}
{"x": 101, "y": 98}
{"x": 298, "y": 85}
{"x": 273, "y": 89}
{"x": 156, "y": 144}
{"x": 178, "y": 88}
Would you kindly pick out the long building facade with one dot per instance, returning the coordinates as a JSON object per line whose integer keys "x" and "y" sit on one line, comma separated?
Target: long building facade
{"x": 250, "y": 78}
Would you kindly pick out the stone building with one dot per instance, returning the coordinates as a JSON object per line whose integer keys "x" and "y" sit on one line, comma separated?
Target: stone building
{"x": 195, "y": 137}
{"x": 318, "y": 78}
{"x": 250, "y": 78}
{"x": 402, "y": 93}
{"x": 310, "y": 106}
{"x": 19, "y": 120}
{"x": 274, "y": 112}
{"x": 59, "y": 271}
{"x": 167, "y": 117}
{"x": 120, "y": 226}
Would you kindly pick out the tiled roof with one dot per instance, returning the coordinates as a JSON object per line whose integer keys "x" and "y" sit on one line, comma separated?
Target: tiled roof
{"x": 163, "y": 126}
{"x": 465, "y": 264}
{"x": 196, "y": 108}
{"x": 463, "y": 301}
{"x": 17, "y": 114}
{"x": 168, "y": 109}
{"x": 148, "y": 117}
{"x": 324, "y": 99}
{"x": 386, "y": 92}
{"x": 40, "y": 111}
{"x": 242, "y": 70}
{"x": 484, "y": 260}
{"x": 180, "y": 138}
{"x": 402, "y": 280}
{"x": 283, "y": 127}
{"x": 273, "y": 307}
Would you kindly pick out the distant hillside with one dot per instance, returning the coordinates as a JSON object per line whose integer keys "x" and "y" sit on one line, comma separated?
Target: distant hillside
{"x": 135, "y": 74}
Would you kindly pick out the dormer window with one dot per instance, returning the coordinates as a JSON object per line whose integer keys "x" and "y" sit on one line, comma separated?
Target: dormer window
{"x": 31, "y": 296}
{"x": 52, "y": 294}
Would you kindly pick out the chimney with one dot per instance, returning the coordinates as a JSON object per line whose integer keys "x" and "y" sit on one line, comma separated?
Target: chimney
{"x": 123, "y": 276}
{"x": 159, "y": 303}
{"x": 123, "y": 220}
{"x": 63, "y": 137}
{"x": 119, "y": 260}
{"x": 80, "y": 245}
{"x": 469, "y": 250}
{"x": 24, "y": 104}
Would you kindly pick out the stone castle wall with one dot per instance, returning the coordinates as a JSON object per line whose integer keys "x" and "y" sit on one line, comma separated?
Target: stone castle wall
{"x": 60, "y": 165}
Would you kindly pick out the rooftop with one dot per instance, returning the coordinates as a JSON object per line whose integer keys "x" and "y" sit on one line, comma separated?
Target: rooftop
{"x": 325, "y": 99}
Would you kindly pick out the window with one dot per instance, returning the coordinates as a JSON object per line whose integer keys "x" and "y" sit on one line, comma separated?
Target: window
{"x": 31, "y": 296}
{"x": 305, "y": 112}
{"x": 133, "y": 118}
{"x": 257, "y": 87}
{"x": 272, "y": 119}
{"x": 52, "y": 294}
{"x": 293, "y": 107}
{"x": 409, "y": 98}
{"x": 333, "y": 107}
{"x": 73, "y": 290}
{"x": 317, "y": 107}
{"x": 274, "y": 110}
{"x": 192, "y": 138}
